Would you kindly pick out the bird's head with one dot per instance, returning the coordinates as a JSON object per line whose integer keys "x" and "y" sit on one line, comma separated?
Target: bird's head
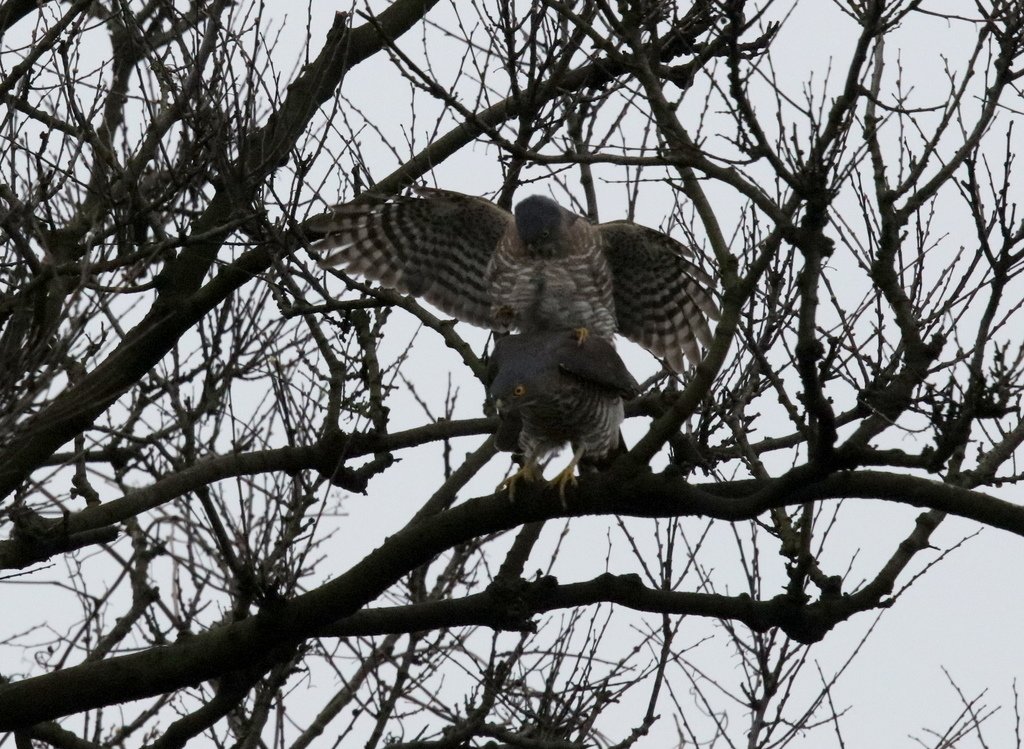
{"x": 539, "y": 223}
{"x": 509, "y": 395}
{"x": 523, "y": 379}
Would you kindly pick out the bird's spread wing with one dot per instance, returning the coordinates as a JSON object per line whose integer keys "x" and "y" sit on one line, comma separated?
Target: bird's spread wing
{"x": 663, "y": 301}
{"x": 436, "y": 244}
{"x": 596, "y": 362}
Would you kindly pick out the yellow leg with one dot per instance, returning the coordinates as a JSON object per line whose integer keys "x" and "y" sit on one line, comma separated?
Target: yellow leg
{"x": 567, "y": 476}
{"x": 528, "y": 472}
{"x": 580, "y": 334}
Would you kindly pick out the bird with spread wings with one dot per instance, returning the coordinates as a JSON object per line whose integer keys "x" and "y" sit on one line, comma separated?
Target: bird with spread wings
{"x": 541, "y": 268}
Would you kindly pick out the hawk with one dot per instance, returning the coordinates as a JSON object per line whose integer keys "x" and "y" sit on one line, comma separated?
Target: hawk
{"x": 541, "y": 268}
{"x": 550, "y": 388}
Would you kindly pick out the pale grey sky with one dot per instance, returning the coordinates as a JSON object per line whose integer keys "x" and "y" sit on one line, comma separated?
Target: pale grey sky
{"x": 965, "y": 616}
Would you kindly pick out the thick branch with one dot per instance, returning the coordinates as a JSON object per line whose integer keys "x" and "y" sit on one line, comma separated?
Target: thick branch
{"x": 281, "y": 627}
{"x": 508, "y": 607}
{"x": 182, "y": 302}
{"x": 94, "y": 524}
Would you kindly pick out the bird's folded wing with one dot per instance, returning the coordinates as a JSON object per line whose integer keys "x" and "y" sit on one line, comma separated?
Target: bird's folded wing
{"x": 596, "y": 362}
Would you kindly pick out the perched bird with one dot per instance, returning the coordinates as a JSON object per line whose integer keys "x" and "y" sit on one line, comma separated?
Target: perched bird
{"x": 550, "y": 388}
{"x": 543, "y": 268}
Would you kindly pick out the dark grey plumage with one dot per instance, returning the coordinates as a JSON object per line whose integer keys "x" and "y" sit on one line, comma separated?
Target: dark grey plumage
{"x": 543, "y": 268}
{"x": 538, "y": 221}
{"x": 550, "y": 388}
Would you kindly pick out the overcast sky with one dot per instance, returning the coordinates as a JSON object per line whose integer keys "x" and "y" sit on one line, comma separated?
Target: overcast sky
{"x": 964, "y": 617}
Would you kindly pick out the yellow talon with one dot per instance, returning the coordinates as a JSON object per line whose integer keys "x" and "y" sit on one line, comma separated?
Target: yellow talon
{"x": 580, "y": 334}
{"x": 566, "y": 476}
{"x": 528, "y": 472}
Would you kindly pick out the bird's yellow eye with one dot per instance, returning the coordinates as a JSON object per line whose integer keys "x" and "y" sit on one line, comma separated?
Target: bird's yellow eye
{"x": 519, "y": 390}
